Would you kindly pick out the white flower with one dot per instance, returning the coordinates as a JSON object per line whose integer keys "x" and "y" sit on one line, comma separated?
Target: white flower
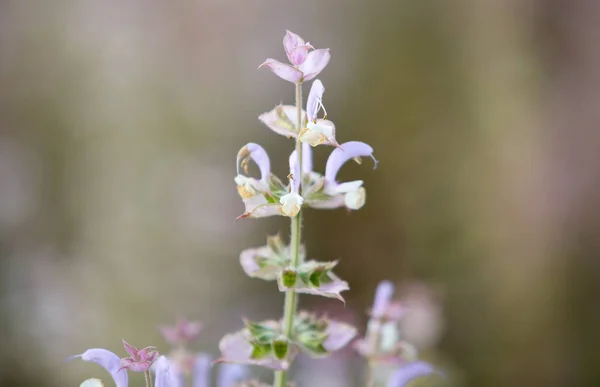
{"x": 354, "y": 200}
{"x": 318, "y": 132}
{"x": 291, "y": 204}
{"x": 248, "y": 187}
{"x": 92, "y": 383}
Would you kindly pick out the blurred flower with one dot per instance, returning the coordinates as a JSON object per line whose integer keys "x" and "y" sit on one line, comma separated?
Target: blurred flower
{"x": 111, "y": 363}
{"x": 305, "y": 64}
{"x": 139, "y": 360}
{"x": 410, "y": 371}
{"x": 424, "y": 322}
{"x": 107, "y": 360}
{"x": 254, "y": 345}
{"x": 183, "y": 332}
{"x": 383, "y": 306}
{"x": 272, "y": 262}
{"x": 92, "y": 383}
{"x": 317, "y": 131}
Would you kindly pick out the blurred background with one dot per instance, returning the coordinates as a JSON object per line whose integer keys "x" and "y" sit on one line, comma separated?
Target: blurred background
{"x": 119, "y": 125}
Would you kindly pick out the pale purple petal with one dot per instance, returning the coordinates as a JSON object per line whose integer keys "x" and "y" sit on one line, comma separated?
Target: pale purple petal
{"x": 202, "y": 369}
{"x": 315, "y": 62}
{"x": 284, "y": 71}
{"x": 383, "y": 297}
{"x": 110, "y": 362}
{"x": 307, "y": 158}
{"x": 338, "y": 335}
{"x": 315, "y": 96}
{"x": 231, "y": 374}
{"x": 409, "y": 372}
{"x": 163, "y": 373}
{"x": 339, "y": 156}
{"x": 291, "y": 41}
{"x": 258, "y": 154}
{"x": 282, "y": 120}
{"x": 177, "y": 378}
{"x": 296, "y": 175}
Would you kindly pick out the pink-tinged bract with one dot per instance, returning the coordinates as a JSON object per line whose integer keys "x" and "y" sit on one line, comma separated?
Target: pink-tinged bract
{"x": 306, "y": 62}
{"x": 315, "y": 63}
{"x": 295, "y": 48}
{"x": 283, "y": 71}
{"x": 140, "y": 360}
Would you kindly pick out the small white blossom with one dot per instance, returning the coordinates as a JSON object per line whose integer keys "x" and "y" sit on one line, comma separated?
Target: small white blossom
{"x": 354, "y": 200}
{"x": 291, "y": 204}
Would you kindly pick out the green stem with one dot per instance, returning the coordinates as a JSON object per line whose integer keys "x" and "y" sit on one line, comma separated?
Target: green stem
{"x": 148, "y": 378}
{"x": 375, "y": 339}
{"x": 289, "y": 308}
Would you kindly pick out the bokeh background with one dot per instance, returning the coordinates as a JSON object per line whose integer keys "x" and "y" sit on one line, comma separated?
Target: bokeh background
{"x": 119, "y": 125}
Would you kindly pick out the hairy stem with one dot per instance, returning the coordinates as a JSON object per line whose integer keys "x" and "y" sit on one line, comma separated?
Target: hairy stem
{"x": 148, "y": 378}
{"x": 289, "y": 309}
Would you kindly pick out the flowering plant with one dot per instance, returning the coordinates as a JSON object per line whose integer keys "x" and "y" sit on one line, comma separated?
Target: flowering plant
{"x": 275, "y": 343}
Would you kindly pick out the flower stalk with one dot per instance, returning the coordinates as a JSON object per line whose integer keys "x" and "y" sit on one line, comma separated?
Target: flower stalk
{"x": 289, "y": 308}
{"x": 148, "y": 378}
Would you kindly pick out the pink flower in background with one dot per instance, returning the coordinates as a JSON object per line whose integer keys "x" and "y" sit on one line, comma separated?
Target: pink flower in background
{"x": 305, "y": 64}
{"x": 139, "y": 360}
{"x": 183, "y": 332}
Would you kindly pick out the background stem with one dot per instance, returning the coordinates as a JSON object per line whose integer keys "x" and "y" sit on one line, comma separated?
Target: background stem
{"x": 289, "y": 309}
